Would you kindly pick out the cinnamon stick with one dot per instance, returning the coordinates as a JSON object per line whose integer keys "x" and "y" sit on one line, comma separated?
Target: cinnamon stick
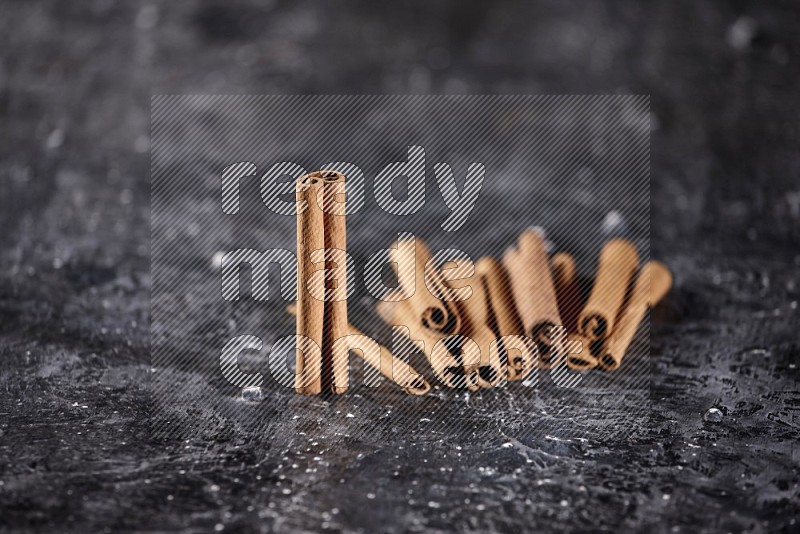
{"x": 535, "y": 296}
{"x": 617, "y": 264}
{"x": 321, "y": 297}
{"x": 475, "y": 320}
{"x": 565, "y": 279}
{"x": 503, "y": 316}
{"x": 382, "y": 360}
{"x": 501, "y": 298}
{"x": 425, "y": 291}
{"x": 447, "y": 368}
{"x": 520, "y": 355}
{"x": 652, "y": 283}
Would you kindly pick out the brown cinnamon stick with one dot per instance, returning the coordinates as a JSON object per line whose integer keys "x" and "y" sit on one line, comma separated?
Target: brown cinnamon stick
{"x": 443, "y": 360}
{"x": 503, "y": 317}
{"x": 425, "y": 291}
{"x": 382, "y": 360}
{"x": 501, "y": 297}
{"x": 321, "y": 297}
{"x": 520, "y": 355}
{"x": 617, "y": 264}
{"x": 565, "y": 279}
{"x": 652, "y": 283}
{"x": 535, "y": 296}
{"x": 475, "y": 320}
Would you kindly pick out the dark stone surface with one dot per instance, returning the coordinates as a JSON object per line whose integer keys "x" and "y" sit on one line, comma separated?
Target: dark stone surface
{"x": 76, "y": 451}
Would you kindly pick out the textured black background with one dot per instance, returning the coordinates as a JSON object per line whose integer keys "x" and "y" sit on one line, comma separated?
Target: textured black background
{"x": 75, "y": 445}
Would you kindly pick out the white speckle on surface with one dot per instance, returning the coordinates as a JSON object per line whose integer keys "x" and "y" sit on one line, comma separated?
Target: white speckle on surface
{"x": 55, "y": 139}
{"x": 613, "y": 223}
{"x": 741, "y": 33}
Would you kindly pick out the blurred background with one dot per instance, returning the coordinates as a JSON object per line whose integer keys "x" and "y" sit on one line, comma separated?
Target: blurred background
{"x": 76, "y": 80}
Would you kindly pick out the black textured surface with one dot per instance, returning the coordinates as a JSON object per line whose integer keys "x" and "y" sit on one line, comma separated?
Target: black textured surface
{"x": 75, "y": 445}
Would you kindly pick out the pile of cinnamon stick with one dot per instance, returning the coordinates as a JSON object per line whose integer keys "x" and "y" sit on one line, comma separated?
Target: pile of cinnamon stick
{"x": 479, "y": 324}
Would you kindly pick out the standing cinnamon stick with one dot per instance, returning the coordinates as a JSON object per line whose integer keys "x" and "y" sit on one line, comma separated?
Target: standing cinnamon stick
{"x": 383, "y": 361}
{"x": 652, "y": 283}
{"x": 618, "y": 261}
{"x": 321, "y": 297}
{"x": 535, "y": 295}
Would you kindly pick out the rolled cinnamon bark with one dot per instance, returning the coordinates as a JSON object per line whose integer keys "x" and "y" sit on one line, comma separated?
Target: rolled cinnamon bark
{"x": 502, "y": 315}
{"x": 535, "y": 295}
{"x": 503, "y": 311}
{"x": 565, "y": 279}
{"x": 579, "y": 353}
{"x": 393, "y": 368}
{"x": 475, "y": 319}
{"x": 520, "y": 354}
{"x": 427, "y": 295}
{"x": 445, "y": 363}
{"x": 652, "y": 283}
{"x": 510, "y": 261}
{"x": 321, "y": 298}
{"x": 383, "y": 361}
{"x": 618, "y": 261}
